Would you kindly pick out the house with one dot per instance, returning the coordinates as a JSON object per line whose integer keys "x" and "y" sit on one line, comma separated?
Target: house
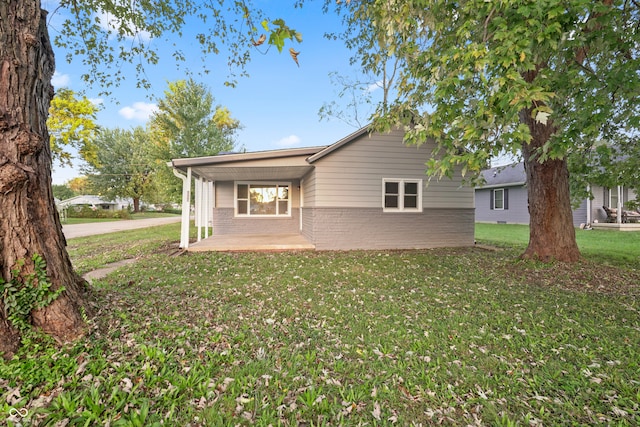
{"x": 503, "y": 199}
{"x": 366, "y": 191}
{"x": 93, "y": 202}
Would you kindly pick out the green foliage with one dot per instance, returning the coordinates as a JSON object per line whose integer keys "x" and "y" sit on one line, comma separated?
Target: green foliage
{"x": 26, "y": 292}
{"x": 89, "y": 212}
{"x": 605, "y": 246}
{"x": 454, "y": 336}
{"x": 474, "y": 72}
{"x": 72, "y": 123}
{"x": 62, "y": 191}
{"x": 104, "y": 35}
{"x": 188, "y": 124}
{"x": 126, "y": 166}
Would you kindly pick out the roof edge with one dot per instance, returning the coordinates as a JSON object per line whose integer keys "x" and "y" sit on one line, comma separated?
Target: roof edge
{"x": 506, "y": 184}
{"x": 241, "y": 157}
{"x": 336, "y": 145}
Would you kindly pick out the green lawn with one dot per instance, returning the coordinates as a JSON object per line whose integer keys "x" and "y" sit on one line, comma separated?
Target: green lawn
{"x": 606, "y": 246}
{"x": 449, "y": 336}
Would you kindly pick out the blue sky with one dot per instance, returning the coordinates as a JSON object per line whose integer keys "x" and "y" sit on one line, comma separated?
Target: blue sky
{"x": 277, "y": 104}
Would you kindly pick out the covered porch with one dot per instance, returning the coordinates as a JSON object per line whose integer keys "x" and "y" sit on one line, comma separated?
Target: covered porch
{"x": 614, "y": 201}
{"x": 226, "y": 218}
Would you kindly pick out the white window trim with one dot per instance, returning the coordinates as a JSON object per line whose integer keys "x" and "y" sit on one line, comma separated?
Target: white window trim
{"x": 401, "y": 182}
{"x": 248, "y": 214}
{"x": 495, "y": 190}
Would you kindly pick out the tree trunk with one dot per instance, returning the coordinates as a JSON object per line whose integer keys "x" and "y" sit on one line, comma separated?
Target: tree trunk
{"x": 136, "y": 204}
{"x": 552, "y": 235}
{"x": 29, "y": 221}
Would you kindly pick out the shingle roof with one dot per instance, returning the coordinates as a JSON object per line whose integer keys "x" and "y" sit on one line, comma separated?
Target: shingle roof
{"x": 509, "y": 175}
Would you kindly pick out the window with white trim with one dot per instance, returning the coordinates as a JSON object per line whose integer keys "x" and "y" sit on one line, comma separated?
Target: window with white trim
{"x": 263, "y": 199}
{"x": 499, "y": 199}
{"x": 401, "y": 195}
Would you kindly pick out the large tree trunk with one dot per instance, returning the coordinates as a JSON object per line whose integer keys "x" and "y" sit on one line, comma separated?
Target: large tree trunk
{"x": 551, "y": 232}
{"x": 29, "y": 222}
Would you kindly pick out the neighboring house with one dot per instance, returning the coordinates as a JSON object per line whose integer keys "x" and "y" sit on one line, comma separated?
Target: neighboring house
{"x": 366, "y": 191}
{"x": 503, "y": 198}
{"x": 94, "y": 202}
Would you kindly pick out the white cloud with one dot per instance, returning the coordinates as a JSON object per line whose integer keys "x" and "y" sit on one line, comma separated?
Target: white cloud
{"x": 289, "y": 141}
{"x": 140, "y": 111}
{"x": 60, "y": 80}
{"x": 96, "y": 101}
{"x": 111, "y": 24}
{"x": 374, "y": 86}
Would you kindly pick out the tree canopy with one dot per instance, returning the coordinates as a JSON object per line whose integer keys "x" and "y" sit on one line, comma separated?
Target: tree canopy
{"x": 124, "y": 169}
{"x": 188, "y": 124}
{"x": 72, "y": 124}
{"x": 542, "y": 78}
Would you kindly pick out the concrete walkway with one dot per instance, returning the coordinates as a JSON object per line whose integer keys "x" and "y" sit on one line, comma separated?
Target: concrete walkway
{"x": 81, "y": 230}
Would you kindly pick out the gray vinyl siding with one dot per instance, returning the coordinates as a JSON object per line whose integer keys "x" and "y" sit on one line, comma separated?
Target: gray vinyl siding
{"x": 371, "y": 228}
{"x": 309, "y": 189}
{"x": 225, "y": 222}
{"x": 352, "y": 175}
{"x": 580, "y": 214}
{"x": 517, "y": 213}
{"x": 224, "y": 194}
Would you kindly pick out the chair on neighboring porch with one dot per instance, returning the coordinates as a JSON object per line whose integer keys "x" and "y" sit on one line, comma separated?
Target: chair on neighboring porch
{"x": 612, "y": 215}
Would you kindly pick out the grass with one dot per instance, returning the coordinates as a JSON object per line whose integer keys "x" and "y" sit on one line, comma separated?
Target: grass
{"x": 605, "y": 246}
{"x": 93, "y": 252}
{"x": 451, "y": 336}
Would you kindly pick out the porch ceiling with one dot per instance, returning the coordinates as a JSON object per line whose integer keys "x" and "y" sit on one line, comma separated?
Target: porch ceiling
{"x": 250, "y": 173}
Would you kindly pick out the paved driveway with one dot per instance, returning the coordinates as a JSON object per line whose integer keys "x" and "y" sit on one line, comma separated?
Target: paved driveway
{"x": 80, "y": 230}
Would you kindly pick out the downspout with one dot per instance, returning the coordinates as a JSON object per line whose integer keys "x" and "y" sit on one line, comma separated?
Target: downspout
{"x": 186, "y": 206}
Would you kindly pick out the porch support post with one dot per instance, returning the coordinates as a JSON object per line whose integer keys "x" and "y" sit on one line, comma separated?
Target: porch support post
{"x": 208, "y": 210}
{"x": 198, "y": 207}
{"x": 589, "y": 205}
{"x": 619, "y": 216}
{"x": 186, "y": 206}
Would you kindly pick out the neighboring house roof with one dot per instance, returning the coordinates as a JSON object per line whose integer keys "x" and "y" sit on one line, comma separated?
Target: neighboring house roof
{"x": 86, "y": 200}
{"x": 504, "y": 176}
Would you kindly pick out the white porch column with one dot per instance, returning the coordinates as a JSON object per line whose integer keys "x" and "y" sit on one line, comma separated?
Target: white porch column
{"x": 589, "y": 205}
{"x": 198, "y": 207}
{"x": 204, "y": 206}
{"x": 208, "y": 208}
{"x": 186, "y": 206}
{"x": 620, "y": 204}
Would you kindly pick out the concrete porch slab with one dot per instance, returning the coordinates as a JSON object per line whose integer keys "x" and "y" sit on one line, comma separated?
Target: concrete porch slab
{"x": 631, "y": 226}
{"x": 252, "y": 242}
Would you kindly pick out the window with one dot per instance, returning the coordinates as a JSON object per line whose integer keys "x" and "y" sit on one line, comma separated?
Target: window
{"x": 499, "y": 199}
{"x": 402, "y": 195}
{"x": 613, "y": 198}
{"x": 259, "y": 199}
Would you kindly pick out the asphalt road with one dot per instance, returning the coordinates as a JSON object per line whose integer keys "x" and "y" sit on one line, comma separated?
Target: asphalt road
{"x": 81, "y": 230}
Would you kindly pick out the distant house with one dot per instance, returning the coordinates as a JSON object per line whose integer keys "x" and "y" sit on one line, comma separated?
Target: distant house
{"x": 94, "y": 202}
{"x": 366, "y": 191}
{"x": 503, "y": 198}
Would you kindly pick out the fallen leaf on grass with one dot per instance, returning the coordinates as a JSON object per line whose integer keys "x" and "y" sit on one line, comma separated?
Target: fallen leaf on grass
{"x": 376, "y": 411}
